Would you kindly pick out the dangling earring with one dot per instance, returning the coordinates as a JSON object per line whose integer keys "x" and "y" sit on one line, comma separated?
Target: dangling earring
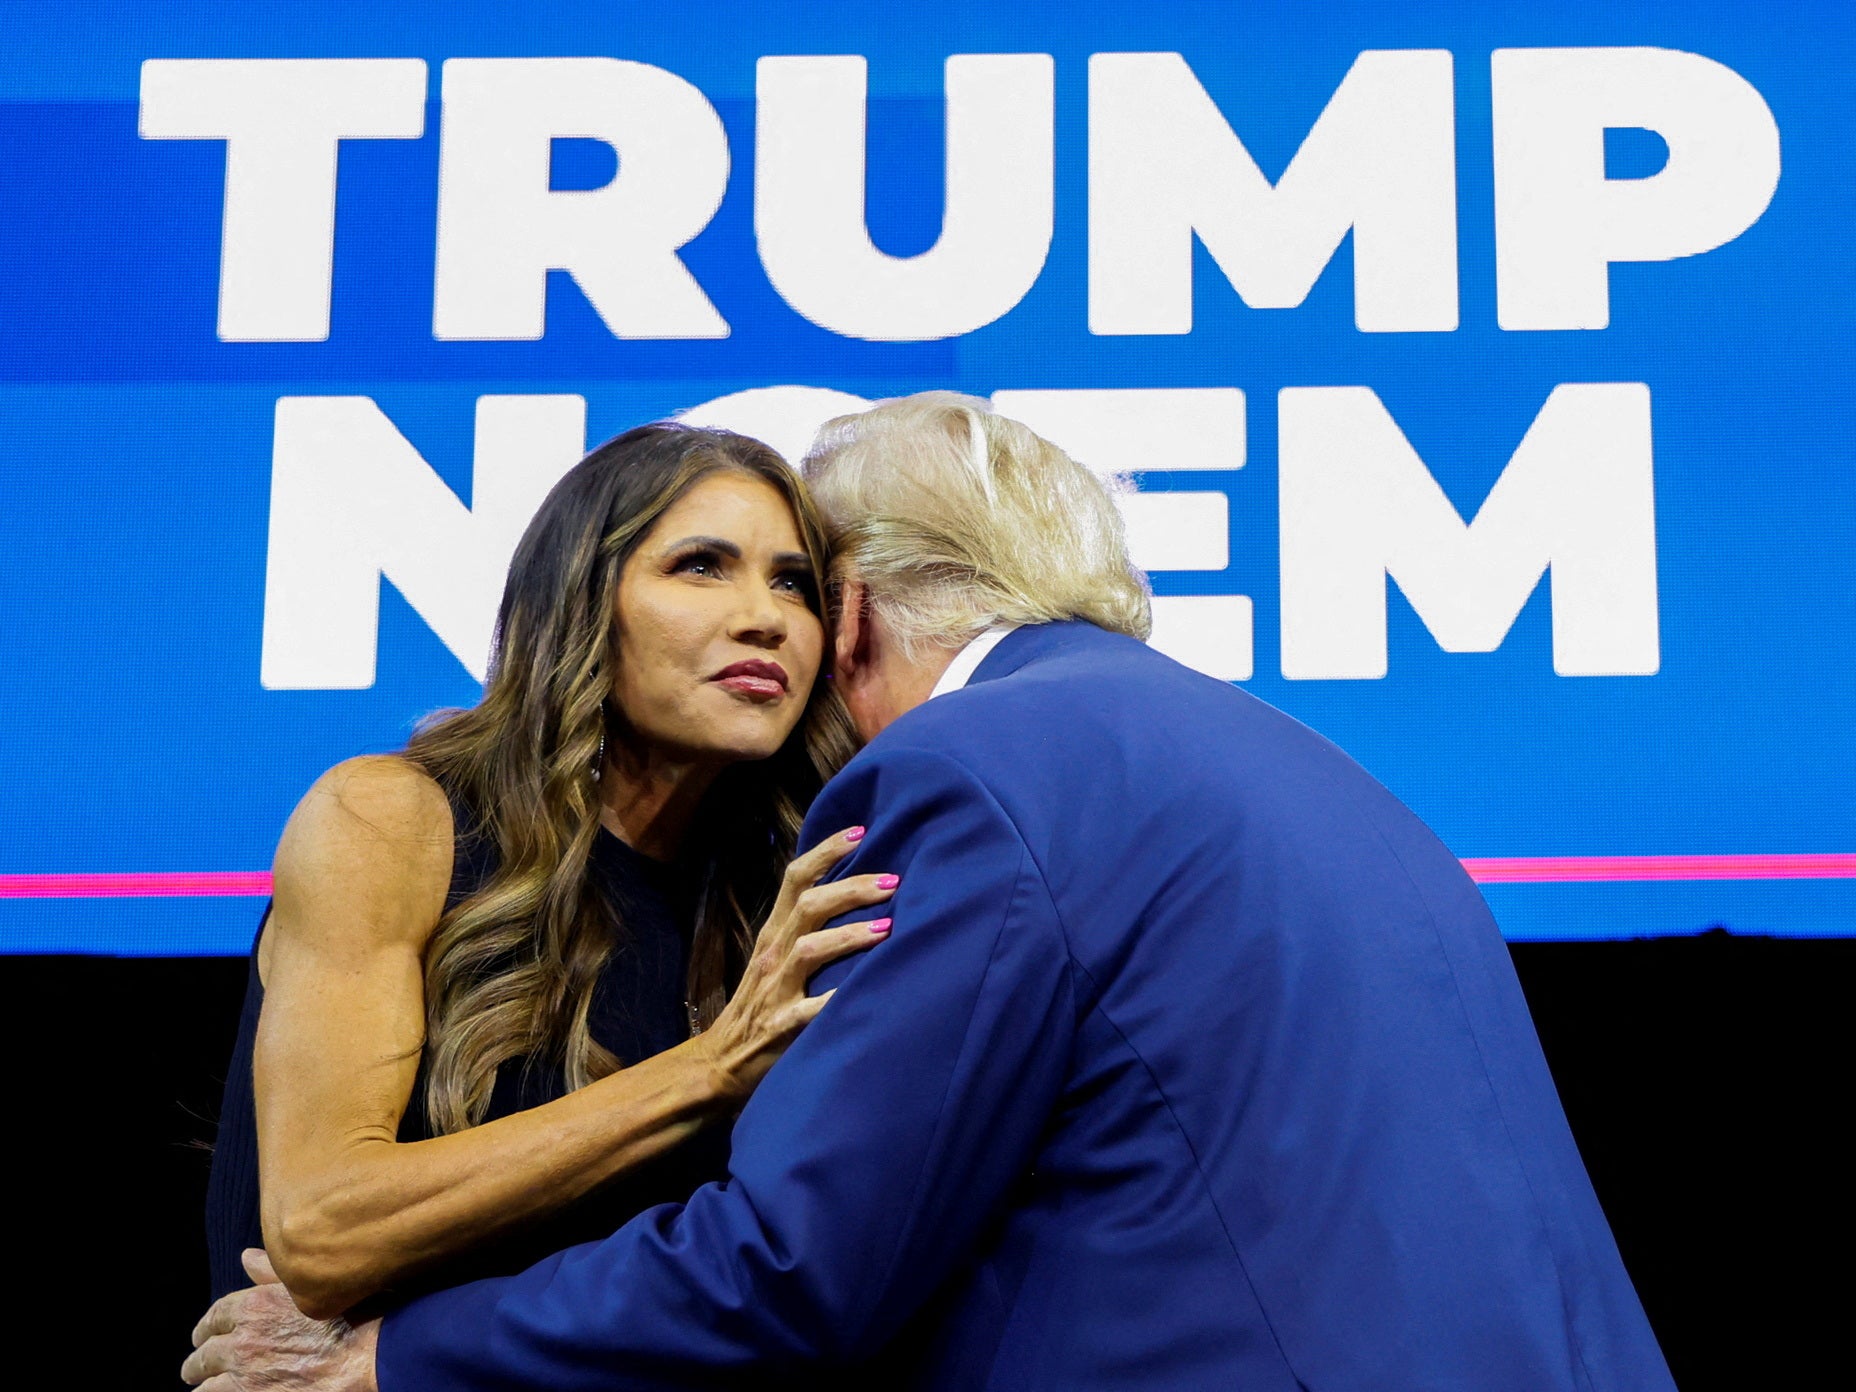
{"x": 599, "y": 759}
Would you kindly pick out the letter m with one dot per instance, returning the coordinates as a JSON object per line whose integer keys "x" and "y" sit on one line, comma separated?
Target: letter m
{"x": 1165, "y": 167}
{"x": 352, "y": 502}
{"x": 1358, "y": 505}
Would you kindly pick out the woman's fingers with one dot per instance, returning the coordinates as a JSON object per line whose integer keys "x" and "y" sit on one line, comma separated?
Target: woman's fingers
{"x": 829, "y": 852}
{"x": 817, "y": 950}
{"x": 829, "y": 944}
{"x": 808, "y": 869}
{"x": 771, "y": 1005}
{"x": 809, "y": 1009}
{"x": 816, "y": 906}
{"x": 824, "y": 902}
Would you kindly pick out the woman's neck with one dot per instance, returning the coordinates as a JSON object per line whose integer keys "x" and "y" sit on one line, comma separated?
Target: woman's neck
{"x": 648, "y": 799}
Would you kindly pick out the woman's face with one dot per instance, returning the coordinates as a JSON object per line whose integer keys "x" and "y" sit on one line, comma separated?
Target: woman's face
{"x": 718, "y": 641}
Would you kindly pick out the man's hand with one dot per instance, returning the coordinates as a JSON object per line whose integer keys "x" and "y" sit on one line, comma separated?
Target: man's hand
{"x": 258, "y": 1341}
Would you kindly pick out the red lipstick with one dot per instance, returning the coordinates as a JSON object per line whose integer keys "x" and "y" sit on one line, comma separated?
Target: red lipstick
{"x": 756, "y": 678}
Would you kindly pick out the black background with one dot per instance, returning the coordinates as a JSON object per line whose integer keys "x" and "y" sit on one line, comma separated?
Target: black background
{"x": 1707, "y": 1081}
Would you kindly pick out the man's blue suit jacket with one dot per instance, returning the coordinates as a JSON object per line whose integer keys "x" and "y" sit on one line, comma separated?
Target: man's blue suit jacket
{"x": 1193, "y": 1061}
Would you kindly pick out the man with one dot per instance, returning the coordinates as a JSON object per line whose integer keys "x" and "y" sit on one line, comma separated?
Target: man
{"x": 1193, "y": 1059}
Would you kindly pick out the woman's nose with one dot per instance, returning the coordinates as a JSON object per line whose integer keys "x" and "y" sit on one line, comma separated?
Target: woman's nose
{"x": 760, "y": 616}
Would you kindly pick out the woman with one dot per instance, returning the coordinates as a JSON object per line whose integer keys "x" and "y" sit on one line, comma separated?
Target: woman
{"x": 510, "y": 982}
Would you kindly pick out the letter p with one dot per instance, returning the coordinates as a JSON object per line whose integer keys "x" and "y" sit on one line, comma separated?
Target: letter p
{"x": 1560, "y": 223}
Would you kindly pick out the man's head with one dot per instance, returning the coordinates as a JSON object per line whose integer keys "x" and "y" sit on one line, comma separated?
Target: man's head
{"x": 945, "y": 519}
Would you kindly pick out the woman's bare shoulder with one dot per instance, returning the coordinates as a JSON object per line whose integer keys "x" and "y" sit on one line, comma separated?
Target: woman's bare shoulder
{"x": 366, "y": 852}
{"x": 386, "y": 792}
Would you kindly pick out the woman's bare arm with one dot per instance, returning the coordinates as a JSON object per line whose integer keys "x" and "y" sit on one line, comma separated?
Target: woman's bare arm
{"x": 347, "y": 1211}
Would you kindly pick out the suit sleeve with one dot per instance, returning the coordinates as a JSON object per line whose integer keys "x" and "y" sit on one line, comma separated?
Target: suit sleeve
{"x": 864, "y": 1167}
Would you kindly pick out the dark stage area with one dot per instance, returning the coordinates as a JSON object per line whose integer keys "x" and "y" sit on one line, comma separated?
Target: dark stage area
{"x": 1704, "y": 1078}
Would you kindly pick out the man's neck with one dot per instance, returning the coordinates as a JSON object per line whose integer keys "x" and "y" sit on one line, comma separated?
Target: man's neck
{"x": 960, "y": 668}
{"x": 901, "y": 684}
{"x": 907, "y": 685}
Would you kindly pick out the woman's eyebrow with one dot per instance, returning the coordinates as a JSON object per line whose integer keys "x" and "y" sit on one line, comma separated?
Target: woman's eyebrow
{"x": 708, "y": 543}
{"x": 782, "y": 559}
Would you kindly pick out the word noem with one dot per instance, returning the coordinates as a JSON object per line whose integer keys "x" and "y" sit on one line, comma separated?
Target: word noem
{"x": 353, "y": 502}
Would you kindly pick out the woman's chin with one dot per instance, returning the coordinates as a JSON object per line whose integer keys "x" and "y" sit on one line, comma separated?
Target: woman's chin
{"x": 748, "y": 746}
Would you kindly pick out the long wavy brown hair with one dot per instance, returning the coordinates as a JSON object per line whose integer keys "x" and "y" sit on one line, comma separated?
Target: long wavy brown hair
{"x": 510, "y": 968}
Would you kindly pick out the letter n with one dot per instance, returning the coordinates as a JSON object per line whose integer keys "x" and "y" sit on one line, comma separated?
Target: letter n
{"x": 353, "y": 502}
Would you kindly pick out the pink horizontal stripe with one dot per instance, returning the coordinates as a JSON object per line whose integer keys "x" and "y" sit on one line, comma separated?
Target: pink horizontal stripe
{"x": 196, "y": 884}
{"x": 1483, "y": 869}
{"x": 1596, "y": 869}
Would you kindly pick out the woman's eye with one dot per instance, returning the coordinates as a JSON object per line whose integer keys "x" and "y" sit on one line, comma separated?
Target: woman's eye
{"x": 697, "y": 563}
{"x": 794, "y": 582}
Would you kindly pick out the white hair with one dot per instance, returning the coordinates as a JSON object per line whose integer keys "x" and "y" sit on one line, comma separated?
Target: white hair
{"x": 956, "y": 518}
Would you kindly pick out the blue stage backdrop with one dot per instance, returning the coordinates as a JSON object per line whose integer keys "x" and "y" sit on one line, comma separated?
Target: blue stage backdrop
{"x": 1478, "y": 373}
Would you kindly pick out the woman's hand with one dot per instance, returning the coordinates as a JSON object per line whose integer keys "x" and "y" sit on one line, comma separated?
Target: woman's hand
{"x": 771, "y": 1006}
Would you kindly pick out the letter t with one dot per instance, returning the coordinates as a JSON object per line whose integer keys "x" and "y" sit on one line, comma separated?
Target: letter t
{"x": 282, "y": 120}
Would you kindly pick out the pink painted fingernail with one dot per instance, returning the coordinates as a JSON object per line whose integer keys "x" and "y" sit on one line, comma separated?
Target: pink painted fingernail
{"x": 854, "y": 834}
{"x": 888, "y": 881}
{"x": 880, "y": 925}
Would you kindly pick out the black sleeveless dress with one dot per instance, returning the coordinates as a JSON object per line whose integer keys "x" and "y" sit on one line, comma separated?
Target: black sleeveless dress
{"x": 638, "y": 1010}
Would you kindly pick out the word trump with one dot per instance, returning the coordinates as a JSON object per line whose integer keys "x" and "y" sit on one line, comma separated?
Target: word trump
{"x": 353, "y": 503}
{"x": 1165, "y": 170}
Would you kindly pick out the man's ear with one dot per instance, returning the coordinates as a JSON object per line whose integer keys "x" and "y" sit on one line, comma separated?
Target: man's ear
{"x": 851, "y": 639}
